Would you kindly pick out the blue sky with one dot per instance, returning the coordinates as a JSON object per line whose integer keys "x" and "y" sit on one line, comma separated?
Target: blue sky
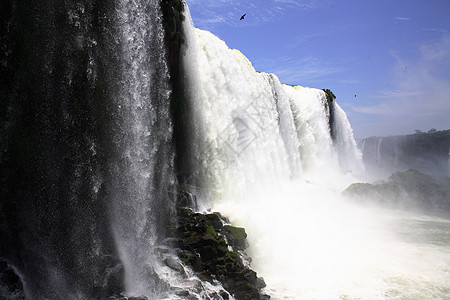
{"x": 394, "y": 55}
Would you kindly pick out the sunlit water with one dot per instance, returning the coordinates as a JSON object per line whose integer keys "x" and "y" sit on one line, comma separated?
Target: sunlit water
{"x": 264, "y": 157}
{"x": 268, "y": 162}
{"x": 308, "y": 243}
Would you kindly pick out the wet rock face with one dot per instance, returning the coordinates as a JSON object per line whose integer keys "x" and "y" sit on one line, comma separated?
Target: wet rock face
{"x": 11, "y": 286}
{"x": 214, "y": 251}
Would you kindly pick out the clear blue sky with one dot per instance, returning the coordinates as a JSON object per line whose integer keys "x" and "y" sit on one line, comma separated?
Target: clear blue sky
{"x": 394, "y": 55}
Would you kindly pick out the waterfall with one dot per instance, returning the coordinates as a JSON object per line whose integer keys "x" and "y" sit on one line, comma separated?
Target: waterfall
{"x": 239, "y": 109}
{"x": 110, "y": 109}
{"x": 350, "y": 157}
{"x": 265, "y": 158}
{"x": 312, "y": 128}
{"x": 256, "y": 131}
{"x": 88, "y": 160}
{"x": 426, "y": 152}
{"x": 379, "y": 149}
{"x": 142, "y": 166}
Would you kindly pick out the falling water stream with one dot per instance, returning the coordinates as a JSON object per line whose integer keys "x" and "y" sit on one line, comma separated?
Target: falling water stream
{"x": 89, "y": 164}
{"x": 305, "y": 239}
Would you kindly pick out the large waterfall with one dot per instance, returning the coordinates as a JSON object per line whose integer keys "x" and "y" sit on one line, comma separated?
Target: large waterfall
{"x": 99, "y": 133}
{"x": 269, "y": 160}
{"x": 142, "y": 163}
{"x": 257, "y": 132}
{"x": 88, "y": 161}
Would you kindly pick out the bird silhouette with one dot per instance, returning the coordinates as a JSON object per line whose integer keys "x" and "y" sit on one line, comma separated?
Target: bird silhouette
{"x": 243, "y": 16}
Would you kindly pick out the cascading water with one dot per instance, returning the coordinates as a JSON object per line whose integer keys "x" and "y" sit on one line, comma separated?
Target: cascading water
{"x": 142, "y": 165}
{"x": 90, "y": 166}
{"x": 379, "y": 149}
{"x": 312, "y": 128}
{"x": 89, "y": 116}
{"x": 257, "y": 131}
{"x": 305, "y": 240}
{"x": 350, "y": 158}
{"x": 241, "y": 112}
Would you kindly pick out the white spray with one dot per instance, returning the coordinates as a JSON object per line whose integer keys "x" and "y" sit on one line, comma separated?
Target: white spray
{"x": 142, "y": 166}
{"x": 274, "y": 169}
{"x": 350, "y": 157}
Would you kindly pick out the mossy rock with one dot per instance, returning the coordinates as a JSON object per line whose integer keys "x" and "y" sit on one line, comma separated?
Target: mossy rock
{"x": 236, "y": 237}
{"x": 211, "y": 250}
{"x": 230, "y": 256}
{"x": 215, "y": 220}
{"x": 330, "y": 95}
{"x": 237, "y": 232}
{"x": 210, "y": 230}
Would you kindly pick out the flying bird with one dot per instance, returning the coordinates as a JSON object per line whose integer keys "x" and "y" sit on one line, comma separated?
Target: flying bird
{"x": 243, "y": 16}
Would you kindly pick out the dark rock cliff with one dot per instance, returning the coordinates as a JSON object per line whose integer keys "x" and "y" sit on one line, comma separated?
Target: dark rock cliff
{"x": 183, "y": 132}
{"x": 427, "y": 152}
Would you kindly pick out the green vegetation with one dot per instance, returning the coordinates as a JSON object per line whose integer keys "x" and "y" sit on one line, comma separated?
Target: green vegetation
{"x": 210, "y": 230}
{"x": 330, "y": 95}
{"x": 231, "y": 256}
{"x": 213, "y": 250}
{"x": 237, "y": 232}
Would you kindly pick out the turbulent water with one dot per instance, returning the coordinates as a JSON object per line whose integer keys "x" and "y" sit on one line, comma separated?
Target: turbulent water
{"x": 281, "y": 180}
{"x": 88, "y": 164}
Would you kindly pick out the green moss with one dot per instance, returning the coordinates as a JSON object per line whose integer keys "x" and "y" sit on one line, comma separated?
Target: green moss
{"x": 213, "y": 216}
{"x": 210, "y": 230}
{"x": 330, "y": 95}
{"x": 230, "y": 256}
{"x": 237, "y": 232}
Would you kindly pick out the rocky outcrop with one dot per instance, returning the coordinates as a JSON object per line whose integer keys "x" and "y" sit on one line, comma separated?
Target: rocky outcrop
{"x": 409, "y": 190}
{"x": 214, "y": 250}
